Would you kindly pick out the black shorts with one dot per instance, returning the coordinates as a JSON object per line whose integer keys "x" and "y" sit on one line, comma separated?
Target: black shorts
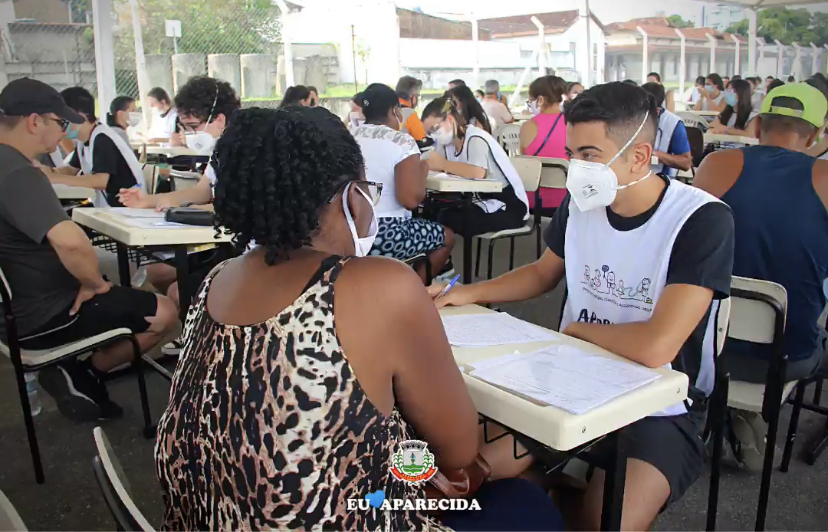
{"x": 671, "y": 444}
{"x": 120, "y": 307}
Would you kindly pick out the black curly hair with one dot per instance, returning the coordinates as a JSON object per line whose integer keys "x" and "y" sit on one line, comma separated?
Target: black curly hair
{"x": 275, "y": 170}
{"x": 196, "y": 98}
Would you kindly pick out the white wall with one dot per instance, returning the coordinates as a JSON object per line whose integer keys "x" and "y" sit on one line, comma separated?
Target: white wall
{"x": 446, "y": 53}
{"x": 376, "y": 31}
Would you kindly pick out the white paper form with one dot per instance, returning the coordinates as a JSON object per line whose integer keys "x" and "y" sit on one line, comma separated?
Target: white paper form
{"x": 480, "y": 330}
{"x": 566, "y": 377}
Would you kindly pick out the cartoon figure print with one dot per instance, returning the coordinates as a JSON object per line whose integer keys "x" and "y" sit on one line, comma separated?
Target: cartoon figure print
{"x": 604, "y": 281}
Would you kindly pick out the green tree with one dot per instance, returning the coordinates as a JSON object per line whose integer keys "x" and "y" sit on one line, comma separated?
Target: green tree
{"x": 677, "y": 22}
{"x": 787, "y": 25}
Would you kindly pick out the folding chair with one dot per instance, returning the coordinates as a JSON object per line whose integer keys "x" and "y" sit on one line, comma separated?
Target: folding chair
{"x": 717, "y": 409}
{"x": 553, "y": 175}
{"x": 9, "y": 518}
{"x": 758, "y": 313}
{"x": 529, "y": 169}
{"x": 26, "y": 361}
{"x": 115, "y": 488}
{"x": 508, "y": 136}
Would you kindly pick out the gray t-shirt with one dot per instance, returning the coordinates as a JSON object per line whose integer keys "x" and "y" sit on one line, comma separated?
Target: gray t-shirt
{"x": 41, "y": 286}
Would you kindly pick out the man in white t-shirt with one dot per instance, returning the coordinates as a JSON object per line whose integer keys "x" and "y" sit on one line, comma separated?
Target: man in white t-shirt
{"x": 493, "y": 107}
{"x": 646, "y": 260}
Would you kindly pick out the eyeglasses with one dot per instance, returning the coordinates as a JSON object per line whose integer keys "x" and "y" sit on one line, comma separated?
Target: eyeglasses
{"x": 62, "y": 122}
{"x": 369, "y": 188}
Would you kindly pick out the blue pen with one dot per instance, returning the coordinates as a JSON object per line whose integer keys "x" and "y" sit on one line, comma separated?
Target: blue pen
{"x": 449, "y": 286}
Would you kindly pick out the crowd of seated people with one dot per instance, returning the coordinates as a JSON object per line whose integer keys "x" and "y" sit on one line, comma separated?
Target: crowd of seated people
{"x": 285, "y": 405}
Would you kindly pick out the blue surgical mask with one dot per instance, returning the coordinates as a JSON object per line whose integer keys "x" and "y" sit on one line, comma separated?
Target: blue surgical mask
{"x": 708, "y": 88}
{"x": 72, "y": 132}
{"x": 731, "y": 99}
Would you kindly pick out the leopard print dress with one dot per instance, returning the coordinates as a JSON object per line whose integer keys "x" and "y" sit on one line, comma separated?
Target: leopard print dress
{"x": 268, "y": 428}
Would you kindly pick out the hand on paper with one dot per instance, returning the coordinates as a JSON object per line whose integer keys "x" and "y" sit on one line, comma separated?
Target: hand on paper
{"x": 135, "y": 198}
{"x": 436, "y": 162}
{"x": 458, "y": 296}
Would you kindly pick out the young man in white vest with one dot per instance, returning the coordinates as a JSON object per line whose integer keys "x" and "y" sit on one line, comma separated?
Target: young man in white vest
{"x": 106, "y": 160}
{"x": 671, "y": 146}
{"x": 646, "y": 261}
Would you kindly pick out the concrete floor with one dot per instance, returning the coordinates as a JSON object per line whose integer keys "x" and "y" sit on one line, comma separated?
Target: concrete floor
{"x": 70, "y": 500}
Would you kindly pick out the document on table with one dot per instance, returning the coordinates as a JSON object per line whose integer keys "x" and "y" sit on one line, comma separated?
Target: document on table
{"x": 480, "y": 330}
{"x": 152, "y": 223}
{"x": 443, "y": 175}
{"x": 565, "y": 377}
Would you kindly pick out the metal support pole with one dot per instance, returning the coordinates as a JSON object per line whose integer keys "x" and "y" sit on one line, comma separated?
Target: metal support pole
{"x": 288, "y": 46}
{"x": 104, "y": 57}
{"x": 140, "y": 62}
{"x": 751, "y": 16}
{"x": 645, "y": 58}
{"x": 712, "y": 52}
{"x": 737, "y": 58}
{"x": 682, "y": 62}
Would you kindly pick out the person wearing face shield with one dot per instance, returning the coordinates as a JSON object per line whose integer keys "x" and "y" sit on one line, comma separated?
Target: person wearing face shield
{"x": 392, "y": 158}
{"x": 107, "y": 161}
{"x": 470, "y": 152}
{"x": 122, "y": 115}
{"x": 345, "y": 348}
{"x": 646, "y": 261}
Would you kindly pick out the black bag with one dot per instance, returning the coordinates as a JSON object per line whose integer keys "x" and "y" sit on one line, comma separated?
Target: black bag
{"x": 189, "y": 216}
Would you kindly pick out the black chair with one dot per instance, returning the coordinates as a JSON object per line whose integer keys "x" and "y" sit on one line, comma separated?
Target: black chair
{"x": 27, "y": 361}
{"x": 416, "y": 261}
{"x": 696, "y": 138}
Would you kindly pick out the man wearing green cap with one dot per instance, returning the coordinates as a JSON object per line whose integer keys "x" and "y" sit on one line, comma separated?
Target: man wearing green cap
{"x": 778, "y": 194}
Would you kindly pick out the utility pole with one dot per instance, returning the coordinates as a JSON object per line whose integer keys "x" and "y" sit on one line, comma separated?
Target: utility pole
{"x": 353, "y": 54}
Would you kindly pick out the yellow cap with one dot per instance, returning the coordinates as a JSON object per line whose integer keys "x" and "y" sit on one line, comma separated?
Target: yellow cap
{"x": 814, "y": 105}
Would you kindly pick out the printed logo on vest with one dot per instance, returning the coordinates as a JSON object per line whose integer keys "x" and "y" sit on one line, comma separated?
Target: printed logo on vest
{"x": 602, "y": 282}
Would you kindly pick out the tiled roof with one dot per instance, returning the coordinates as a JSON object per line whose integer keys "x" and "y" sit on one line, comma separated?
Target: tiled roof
{"x": 655, "y": 28}
{"x": 557, "y": 22}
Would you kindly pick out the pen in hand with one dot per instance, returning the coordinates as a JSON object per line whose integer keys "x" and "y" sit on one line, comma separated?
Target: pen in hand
{"x": 448, "y": 287}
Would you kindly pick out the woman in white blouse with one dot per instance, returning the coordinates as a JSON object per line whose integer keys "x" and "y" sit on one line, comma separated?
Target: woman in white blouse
{"x": 393, "y": 159}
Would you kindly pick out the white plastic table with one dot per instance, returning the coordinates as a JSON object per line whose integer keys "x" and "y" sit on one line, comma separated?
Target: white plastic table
{"x": 116, "y": 227}
{"x": 66, "y": 192}
{"x": 562, "y": 430}
{"x": 442, "y": 184}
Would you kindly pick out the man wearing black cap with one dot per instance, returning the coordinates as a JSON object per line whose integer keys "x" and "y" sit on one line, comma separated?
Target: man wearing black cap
{"x": 51, "y": 267}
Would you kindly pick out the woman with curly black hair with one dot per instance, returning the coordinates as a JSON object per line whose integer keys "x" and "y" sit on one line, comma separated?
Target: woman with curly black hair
{"x": 285, "y": 406}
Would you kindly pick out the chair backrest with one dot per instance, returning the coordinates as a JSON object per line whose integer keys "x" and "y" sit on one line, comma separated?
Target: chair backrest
{"x": 529, "y": 170}
{"x": 5, "y": 288}
{"x": 150, "y": 177}
{"x": 755, "y": 307}
{"x": 695, "y": 137}
{"x": 9, "y": 518}
{"x": 553, "y": 174}
{"x": 115, "y": 488}
{"x": 508, "y": 136}
{"x": 183, "y": 179}
{"x": 692, "y": 119}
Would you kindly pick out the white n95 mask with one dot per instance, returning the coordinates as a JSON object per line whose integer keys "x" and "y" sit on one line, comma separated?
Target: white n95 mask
{"x": 594, "y": 185}
{"x": 362, "y": 245}
{"x": 200, "y": 142}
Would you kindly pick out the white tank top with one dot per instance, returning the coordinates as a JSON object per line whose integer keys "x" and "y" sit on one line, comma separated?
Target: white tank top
{"x": 618, "y": 276}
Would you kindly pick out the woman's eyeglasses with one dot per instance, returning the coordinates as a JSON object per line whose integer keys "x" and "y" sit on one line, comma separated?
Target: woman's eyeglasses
{"x": 369, "y": 188}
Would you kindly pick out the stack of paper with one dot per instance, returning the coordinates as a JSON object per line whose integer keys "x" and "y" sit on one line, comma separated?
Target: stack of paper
{"x": 565, "y": 377}
{"x": 137, "y": 213}
{"x": 480, "y": 330}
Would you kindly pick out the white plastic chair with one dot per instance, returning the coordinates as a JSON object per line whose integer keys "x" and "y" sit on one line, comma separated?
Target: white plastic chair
{"x": 508, "y": 136}
{"x": 26, "y": 361}
{"x": 9, "y": 518}
{"x": 115, "y": 488}
{"x": 692, "y": 119}
{"x": 529, "y": 169}
{"x": 758, "y": 314}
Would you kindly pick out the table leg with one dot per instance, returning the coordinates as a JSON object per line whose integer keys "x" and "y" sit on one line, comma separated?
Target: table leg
{"x": 182, "y": 273}
{"x": 123, "y": 265}
{"x": 616, "y": 474}
{"x": 468, "y": 205}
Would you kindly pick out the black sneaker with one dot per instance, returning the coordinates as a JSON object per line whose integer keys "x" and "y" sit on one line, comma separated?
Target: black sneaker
{"x": 79, "y": 394}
